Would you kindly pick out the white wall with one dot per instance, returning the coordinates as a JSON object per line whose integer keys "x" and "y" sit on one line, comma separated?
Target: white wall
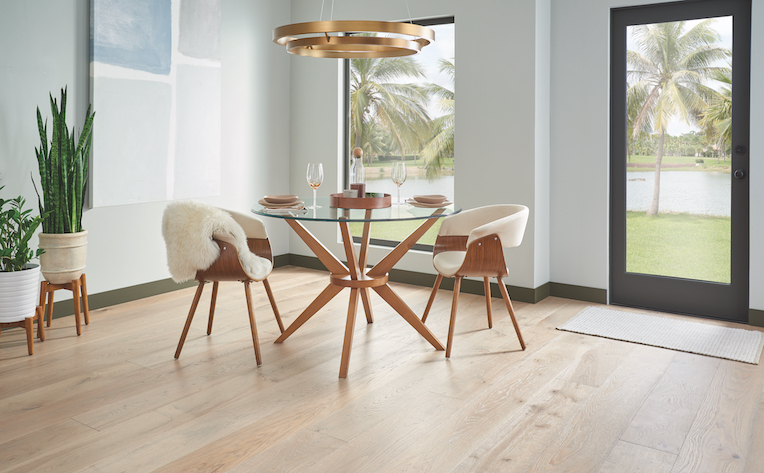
{"x": 274, "y": 125}
{"x": 580, "y": 140}
{"x": 756, "y": 298}
{"x": 497, "y": 102}
{"x": 45, "y": 45}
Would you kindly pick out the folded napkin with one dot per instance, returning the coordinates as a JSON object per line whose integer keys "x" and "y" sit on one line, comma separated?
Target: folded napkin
{"x": 438, "y": 205}
{"x": 297, "y": 204}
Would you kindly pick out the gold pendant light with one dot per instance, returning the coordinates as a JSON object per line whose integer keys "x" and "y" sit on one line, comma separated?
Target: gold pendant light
{"x": 313, "y": 38}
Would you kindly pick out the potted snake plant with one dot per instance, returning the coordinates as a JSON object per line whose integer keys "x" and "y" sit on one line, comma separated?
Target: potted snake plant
{"x": 19, "y": 279}
{"x": 63, "y": 176}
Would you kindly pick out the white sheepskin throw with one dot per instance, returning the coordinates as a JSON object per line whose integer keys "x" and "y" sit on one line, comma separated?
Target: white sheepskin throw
{"x": 188, "y": 228}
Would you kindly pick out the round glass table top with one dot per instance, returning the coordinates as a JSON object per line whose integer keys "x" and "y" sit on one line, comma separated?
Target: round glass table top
{"x": 325, "y": 213}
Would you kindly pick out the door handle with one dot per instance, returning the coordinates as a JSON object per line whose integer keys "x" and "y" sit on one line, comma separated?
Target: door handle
{"x": 739, "y": 174}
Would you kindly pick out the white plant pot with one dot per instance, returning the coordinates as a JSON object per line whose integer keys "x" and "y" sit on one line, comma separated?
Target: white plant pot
{"x": 64, "y": 257}
{"x": 19, "y": 292}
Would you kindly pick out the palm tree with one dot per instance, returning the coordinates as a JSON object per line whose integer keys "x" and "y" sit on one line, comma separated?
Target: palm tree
{"x": 717, "y": 118}
{"x": 378, "y": 98}
{"x": 441, "y": 145}
{"x": 671, "y": 71}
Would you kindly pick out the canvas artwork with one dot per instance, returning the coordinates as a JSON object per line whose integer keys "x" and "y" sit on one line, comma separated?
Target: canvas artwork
{"x": 155, "y": 84}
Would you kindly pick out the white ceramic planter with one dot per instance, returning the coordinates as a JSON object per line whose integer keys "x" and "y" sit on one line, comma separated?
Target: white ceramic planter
{"x": 19, "y": 292}
{"x": 64, "y": 257}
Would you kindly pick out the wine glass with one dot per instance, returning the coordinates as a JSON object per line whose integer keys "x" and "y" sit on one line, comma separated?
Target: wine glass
{"x": 315, "y": 177}
{"x": 399, "y": 176}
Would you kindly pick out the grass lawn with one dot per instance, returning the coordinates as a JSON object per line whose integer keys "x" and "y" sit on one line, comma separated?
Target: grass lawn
{"x": 397, "y": 231}
{"x": 448, "y": 162}
{"x": 709, "y": 164}
{"x": 678, "y": 245}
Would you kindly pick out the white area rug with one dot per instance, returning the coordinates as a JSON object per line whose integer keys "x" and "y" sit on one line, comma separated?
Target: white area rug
{"x": 692, "y": 337}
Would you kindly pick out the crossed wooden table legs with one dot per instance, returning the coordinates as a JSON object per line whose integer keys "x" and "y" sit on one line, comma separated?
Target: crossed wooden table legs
{"x": 356, "y": 277}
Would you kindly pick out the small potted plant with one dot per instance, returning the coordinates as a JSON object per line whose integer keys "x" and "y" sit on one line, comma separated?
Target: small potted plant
{"x": 19, "y": 279}
{"x": 63, "y": 175}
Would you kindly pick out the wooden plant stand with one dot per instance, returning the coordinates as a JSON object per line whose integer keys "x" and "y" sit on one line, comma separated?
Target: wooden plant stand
{"x": 79, "y": 290}
{"x": 26, "y": 324}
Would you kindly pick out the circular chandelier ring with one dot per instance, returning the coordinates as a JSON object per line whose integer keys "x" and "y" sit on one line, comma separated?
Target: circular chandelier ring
{"x": 356, "y": 47}
{"x": 284, "y": 34}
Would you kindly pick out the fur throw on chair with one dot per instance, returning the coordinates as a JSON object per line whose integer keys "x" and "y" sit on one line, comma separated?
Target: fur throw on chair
{"x": 188, "y": 228}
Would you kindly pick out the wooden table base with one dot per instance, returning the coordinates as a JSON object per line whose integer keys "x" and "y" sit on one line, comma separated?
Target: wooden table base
{"x": 359, "y": 280}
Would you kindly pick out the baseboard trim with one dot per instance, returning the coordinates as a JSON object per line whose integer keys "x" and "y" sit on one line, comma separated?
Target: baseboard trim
{"x": 756, "y": 317}
{"x": 579, "y": 293}
{"x": 520, "y": 294}
{"x": 133, "y": 293}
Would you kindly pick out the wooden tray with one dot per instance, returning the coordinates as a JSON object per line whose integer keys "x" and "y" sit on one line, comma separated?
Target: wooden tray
{"x": 338, "y": 201}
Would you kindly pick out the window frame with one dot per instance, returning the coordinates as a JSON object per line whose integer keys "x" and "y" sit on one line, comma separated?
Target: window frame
{"x": 443, "y": 20}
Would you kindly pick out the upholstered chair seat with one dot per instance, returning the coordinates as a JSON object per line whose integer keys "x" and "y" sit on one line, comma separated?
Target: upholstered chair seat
{"x": 470, "y": 244}
{"x": 209, "y": 244}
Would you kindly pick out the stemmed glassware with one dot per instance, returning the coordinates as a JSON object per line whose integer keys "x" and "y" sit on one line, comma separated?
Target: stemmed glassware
{"x": 315, "y": 177}
{"x": 399, "y": 176}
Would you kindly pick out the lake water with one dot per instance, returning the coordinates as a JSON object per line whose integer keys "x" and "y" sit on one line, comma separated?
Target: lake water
{"x": 695, "y": 192}
{"x": 414, "y": 185}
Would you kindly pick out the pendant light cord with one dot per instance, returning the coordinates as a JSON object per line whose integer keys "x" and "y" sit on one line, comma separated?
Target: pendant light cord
{"x": 321, "y": 16}
{"x": 331, "y": 16}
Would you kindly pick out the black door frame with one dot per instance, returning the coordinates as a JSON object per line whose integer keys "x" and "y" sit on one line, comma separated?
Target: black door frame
{"x": 707, "y": 299}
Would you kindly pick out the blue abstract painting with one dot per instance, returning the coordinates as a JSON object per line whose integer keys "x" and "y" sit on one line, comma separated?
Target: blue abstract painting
{"x": 155, "y": 83}
{"x": 136, "y": 34}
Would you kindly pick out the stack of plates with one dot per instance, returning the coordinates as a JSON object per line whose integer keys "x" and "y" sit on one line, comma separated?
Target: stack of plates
{"x": 434, "y": 201}
{"x": 286, "y": 202}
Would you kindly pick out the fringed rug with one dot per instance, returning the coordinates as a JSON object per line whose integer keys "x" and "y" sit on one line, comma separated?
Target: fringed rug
{"x": 682, "y": 335}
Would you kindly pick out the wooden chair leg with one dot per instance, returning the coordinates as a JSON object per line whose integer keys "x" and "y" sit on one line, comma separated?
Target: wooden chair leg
{"x": 452, "y": 324}
{"x": 212, "y": 306}
{"x": 197, "y": 296}
{"x": 273, "y": 304}
{"x": 487, "y": 290}
{"x": 511, "y": 310}
{"x": 30, "y": 340}
{"x": 76, "y": 299}
{"x": 252, "y": 324}
{"x": 84, "y": 292}
{"x": 435, "y": 288}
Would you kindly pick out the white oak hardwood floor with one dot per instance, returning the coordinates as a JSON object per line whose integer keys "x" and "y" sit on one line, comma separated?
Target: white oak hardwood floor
{"x": 115, "y": 399}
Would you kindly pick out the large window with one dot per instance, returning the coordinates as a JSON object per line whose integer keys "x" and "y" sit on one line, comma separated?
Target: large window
{"x": 402, "y": 109}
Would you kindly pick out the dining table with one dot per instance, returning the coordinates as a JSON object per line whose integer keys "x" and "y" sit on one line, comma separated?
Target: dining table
{"x": 355, "y": 275}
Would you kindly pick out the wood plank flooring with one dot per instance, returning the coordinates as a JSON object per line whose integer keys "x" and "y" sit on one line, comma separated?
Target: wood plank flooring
{"x": 115, "y": 399}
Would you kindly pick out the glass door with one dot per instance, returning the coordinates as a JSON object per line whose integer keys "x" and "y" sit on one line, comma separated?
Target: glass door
{"x": 679, "y": 157}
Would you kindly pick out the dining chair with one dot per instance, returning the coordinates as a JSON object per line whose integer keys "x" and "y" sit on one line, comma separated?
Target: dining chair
{"x": 209, "y": 244}
{"x": 470, "y": 244}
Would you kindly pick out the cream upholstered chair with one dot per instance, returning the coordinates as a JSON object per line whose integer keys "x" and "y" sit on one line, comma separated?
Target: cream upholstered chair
{"x": 471, "y": 243}
{"x": 212, "y": 245}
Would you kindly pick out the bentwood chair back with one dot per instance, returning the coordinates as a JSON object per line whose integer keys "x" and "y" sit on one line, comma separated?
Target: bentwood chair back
{"x": 470, "y": 244}
{"x": 240, "y": 250}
